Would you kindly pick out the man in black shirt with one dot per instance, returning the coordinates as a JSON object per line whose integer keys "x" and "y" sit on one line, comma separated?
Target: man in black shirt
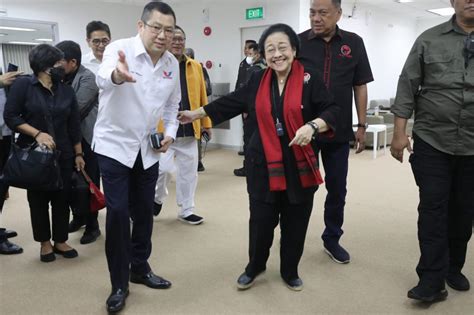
{"x": 244, "y": 65}
{"x": 341, "y": 59}
{"x": 256, "y": 64}
{"x": 242, "y": 75}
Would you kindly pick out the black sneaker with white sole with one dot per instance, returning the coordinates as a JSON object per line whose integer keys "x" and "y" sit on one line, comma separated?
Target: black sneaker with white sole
{"x": 337, "y": 253}
{"x": 192, "y": 219}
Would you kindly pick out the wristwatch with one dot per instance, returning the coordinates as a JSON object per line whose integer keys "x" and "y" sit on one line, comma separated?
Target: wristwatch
{"x": 362, "y": 125}
{"x": 315, "y": 128}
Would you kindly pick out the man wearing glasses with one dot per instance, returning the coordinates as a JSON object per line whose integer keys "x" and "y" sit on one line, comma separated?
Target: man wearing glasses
{"x": 139, "y": 85}
{"x": 98, "y": 37}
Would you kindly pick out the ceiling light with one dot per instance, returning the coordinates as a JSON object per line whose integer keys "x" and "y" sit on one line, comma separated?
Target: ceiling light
{"x": 403, "y": 1}
{"x": 17, "y": 29}
{"x": 44, "y": 39}
{"x": 23, "y": 43}
{"x": 443, "y": 11}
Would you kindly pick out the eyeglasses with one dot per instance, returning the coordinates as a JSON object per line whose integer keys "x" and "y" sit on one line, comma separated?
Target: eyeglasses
{"x": 157, "y": 29}
{"x": 98, "y": 41}
{"x": 178, "y": 39}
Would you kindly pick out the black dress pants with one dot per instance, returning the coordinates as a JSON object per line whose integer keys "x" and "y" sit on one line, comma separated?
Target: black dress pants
{"x": 335, "y": 157}
{"x": 446, "y": 188}
{"x": 129, "y": 192}
{"x": 39, "y": 209}
{"x": 293, "y": 219}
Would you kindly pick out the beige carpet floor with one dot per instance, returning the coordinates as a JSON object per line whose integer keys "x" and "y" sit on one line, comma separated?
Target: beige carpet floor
{"x": 203, "y": 262}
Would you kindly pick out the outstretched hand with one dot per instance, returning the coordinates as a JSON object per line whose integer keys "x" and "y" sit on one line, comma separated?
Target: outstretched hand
{"x": 187, "y": 116}
{"x": 121, "y": 73}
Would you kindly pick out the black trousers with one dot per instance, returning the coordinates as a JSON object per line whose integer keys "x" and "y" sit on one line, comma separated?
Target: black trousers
{"x": 335, "y": 157}
{"x": 128, "y": 192}
{"x": 39, "y": 209}
{"x": 293, "y": 219}
{"x": 446, "y": 188}
{"x": 92, "y": 169}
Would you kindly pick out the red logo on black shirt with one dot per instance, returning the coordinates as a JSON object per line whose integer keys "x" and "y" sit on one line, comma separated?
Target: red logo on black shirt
{"x": 346, "y": 51}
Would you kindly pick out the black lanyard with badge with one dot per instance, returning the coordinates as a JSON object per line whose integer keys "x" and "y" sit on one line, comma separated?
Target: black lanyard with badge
{"x": 278, "y": 125}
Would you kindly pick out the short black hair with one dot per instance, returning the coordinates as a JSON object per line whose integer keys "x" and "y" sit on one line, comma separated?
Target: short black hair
{"x": 159, "y": 6}
{"x": 43, "y": 57}
{"x": 97, "y": 26}
{"x": 189, "y": 52}
{"x": 71, "y": 50}
{"x": 250, "y": 41}
{"x": 177, "y": 27}
{"x": 253, "y": 46}
{"x": 280, "y": 28}
{"x": 336, "y": 3}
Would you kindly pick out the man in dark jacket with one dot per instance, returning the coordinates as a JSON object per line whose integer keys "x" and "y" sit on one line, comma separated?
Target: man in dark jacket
{"x": 256, "y": 64}
{"x": 82, "y": 80}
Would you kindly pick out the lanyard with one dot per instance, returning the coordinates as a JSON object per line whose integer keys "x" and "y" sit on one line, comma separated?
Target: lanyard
{"x": 278, "y": 125}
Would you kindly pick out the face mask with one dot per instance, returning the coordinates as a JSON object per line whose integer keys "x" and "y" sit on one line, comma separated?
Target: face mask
{"x": 57, "y": 74}
{"x": 249, "y": 60}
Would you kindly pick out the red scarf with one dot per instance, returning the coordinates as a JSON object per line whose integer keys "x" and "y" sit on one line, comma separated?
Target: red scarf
{"x": 306, "y": 161}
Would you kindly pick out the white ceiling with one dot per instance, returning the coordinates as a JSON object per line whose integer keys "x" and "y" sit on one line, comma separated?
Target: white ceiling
{"x": 415, "y": 9}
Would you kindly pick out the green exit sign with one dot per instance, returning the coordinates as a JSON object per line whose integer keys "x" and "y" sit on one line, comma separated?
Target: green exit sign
{"x": 254, "y": 13}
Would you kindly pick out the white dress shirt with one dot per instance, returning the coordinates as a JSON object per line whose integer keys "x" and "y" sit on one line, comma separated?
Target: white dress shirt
{"x": 90, "y": 62}
{"x": 130, "y": 111}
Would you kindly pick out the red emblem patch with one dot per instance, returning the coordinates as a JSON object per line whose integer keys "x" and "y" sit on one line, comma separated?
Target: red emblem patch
{"x": 346, "y": 51}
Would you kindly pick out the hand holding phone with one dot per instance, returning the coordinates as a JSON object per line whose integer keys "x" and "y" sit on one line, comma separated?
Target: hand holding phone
{"x": 12, "y": 67}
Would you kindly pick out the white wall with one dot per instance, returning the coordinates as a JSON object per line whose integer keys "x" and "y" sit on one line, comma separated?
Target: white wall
{"x": 388, "y": 38}
{"x": 72, "y": 17}
{"x": 223, "y": 47}
{"x": 424, "y": 24}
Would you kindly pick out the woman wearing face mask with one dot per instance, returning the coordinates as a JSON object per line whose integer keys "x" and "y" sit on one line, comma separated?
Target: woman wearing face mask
{"x": 288, "y": 106}
{"x": 25, "y": 112}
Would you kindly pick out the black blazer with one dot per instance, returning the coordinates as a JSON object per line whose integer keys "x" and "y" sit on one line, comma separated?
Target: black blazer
{"x": 316, "y": 103}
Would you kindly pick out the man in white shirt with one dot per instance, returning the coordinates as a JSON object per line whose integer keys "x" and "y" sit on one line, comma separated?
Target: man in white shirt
{"x": 98, "y": 37}
{"x": 139, "y": 85}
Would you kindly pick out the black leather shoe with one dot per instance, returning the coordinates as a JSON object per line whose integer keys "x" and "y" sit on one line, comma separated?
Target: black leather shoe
{"x": 116, "y": 300}
{"x": 75, "y": 225}
{"x": 240, "y": 172}
{"x": 72, "y": 253}
{"x": 48, "y": 257}
{"x": 8, "y": 248}
{"x": 294, "y": 284}
{"x": 90, "y": 236}
{"x": 9, "y": 233}
{"x": 458, "y": 281}
{"x": 201, "y": 167}
{"x": 157, "y": 208}
{"x": 427, "y": 294}
{"x": 150, "y": 280}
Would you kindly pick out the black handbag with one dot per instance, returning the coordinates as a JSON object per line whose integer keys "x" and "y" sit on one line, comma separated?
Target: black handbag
{"x": 33, "y": 167}
{"x": 80, "y": 197}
